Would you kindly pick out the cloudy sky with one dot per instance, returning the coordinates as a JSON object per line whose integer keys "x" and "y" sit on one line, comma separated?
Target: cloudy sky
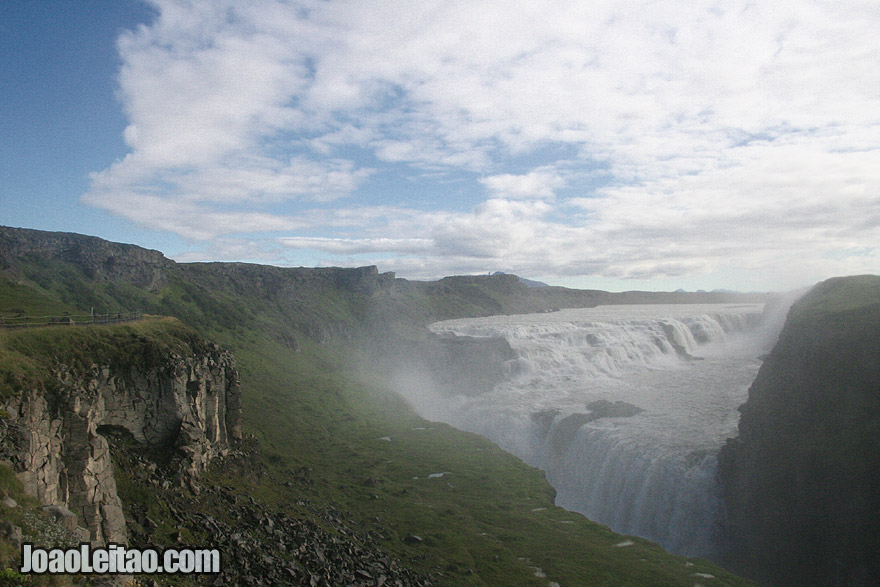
{"x": 609, "y": 144}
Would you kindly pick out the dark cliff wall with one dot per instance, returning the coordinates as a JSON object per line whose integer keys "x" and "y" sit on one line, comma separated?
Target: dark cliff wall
{"x": 802, "y": 480}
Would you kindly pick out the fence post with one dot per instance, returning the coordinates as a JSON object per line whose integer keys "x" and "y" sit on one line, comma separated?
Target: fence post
{"x": 23, "y": 321}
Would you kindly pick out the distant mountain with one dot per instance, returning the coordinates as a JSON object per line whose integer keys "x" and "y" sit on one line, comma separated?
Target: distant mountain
{"x": 524, "y": 281}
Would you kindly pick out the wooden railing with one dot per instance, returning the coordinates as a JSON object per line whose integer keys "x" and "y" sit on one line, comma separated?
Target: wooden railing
{"x": 24, "y": 321}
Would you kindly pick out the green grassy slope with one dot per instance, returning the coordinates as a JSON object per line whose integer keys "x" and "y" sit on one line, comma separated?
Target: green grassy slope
{"x": 839, "y": 299}
{"x": 488, "y": 520}
{"x": 27, "y": 356}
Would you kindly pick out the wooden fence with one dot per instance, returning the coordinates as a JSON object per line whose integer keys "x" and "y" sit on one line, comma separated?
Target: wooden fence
{"x": 23, "y": 321}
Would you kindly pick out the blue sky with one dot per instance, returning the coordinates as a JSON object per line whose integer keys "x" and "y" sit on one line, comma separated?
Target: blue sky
{"x": 616, "y": 145}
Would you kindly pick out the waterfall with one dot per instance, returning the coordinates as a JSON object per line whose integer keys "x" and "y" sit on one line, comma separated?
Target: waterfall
{"x": 623, "y": 407}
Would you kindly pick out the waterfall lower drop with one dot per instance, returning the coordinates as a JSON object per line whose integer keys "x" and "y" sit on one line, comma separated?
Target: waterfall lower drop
{"x": 623, "y": 407}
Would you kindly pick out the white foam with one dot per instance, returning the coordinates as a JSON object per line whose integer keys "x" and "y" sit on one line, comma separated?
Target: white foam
{"x": 688, "y": 367}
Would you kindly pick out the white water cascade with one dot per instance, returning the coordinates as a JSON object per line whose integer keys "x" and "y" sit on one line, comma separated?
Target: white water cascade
{"x": 623, "y": 407}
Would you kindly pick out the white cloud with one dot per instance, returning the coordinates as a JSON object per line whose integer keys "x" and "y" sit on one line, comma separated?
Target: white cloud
{"x": 535, "y": 184}
{"x": 268, "y": 180}
{"x": 730, "y": 134}
{"x": 187, "y": 218}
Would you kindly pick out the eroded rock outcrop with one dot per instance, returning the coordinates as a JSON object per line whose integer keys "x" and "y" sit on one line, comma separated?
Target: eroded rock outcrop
{"x": 185, "y": 407}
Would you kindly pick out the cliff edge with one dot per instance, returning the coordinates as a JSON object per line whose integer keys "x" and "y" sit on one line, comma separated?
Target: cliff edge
{"x": 802, "y": 480}
{"x": 154, "y": 384}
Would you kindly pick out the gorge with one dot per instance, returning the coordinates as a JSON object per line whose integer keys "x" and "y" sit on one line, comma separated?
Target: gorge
{"x": 339, "y": 470}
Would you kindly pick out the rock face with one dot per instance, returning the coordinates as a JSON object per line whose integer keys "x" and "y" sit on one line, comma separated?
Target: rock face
{"x": 802, "y": 480}
{"x": 185, "y": 407}
{"x": 98, "y": 259}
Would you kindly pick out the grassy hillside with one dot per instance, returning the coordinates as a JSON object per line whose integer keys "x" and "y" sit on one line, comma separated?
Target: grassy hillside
{"x": 854, "y": 299}
{"x": 449, "y": 504}
{"x": 28, "y": 356}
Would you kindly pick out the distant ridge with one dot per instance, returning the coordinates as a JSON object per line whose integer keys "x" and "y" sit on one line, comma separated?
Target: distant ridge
{"x": 524, "y": 281}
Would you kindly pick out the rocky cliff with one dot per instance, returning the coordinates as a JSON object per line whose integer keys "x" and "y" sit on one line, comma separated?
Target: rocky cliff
{"x": 802, "y": 480}
{"x": 99, "y": 260}
{"x": 177, "y": 399}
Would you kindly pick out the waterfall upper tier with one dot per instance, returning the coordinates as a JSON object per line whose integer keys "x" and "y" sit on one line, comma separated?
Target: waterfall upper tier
{"x": 624, "y": 407}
